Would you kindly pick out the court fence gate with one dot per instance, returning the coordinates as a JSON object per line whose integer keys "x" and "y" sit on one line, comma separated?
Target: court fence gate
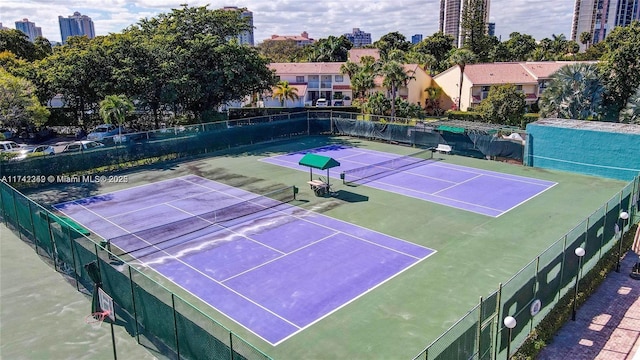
{"x": 158, "y": 317}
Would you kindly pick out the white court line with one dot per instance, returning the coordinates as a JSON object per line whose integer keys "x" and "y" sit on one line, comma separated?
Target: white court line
{"x": 527, "y": 199}
{"x": 278, "y": 258}
{"x": 162, "y": 203}
{"x": 456, "y": 184}
{"x": 517, "y": 178}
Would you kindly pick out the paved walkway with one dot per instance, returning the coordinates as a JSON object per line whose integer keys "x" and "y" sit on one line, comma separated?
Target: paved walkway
{"x": 607, "y": 326}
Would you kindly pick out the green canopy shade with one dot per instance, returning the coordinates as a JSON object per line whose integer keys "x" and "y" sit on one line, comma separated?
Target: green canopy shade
{"x": 314, "y": 161}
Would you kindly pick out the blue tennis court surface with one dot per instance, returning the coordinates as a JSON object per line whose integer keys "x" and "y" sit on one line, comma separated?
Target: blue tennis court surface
{"x": 480, "y": 191}
{"x": 275, "y": 271}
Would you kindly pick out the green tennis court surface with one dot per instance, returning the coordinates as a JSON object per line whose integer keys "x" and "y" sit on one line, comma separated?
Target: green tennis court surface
{"x": 475, "y": 253}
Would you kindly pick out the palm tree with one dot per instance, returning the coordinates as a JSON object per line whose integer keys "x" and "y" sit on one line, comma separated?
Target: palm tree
{"x": 631, "y": 113}
{"x": 115, "y": 107}
{"x": 585, "y": 39}
{"x": 394, "y": 77}
{"x": 574, "y": 92}
{"x": 462, "y": 57}
{"x": 427, "y": 61}
{"x": 349, "y": 68}
{"x": 285, "y": 92}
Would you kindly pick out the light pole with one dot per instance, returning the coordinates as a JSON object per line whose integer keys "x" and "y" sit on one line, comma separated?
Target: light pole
{"x": 624, "y": 216}
{"x": 509, "y": 322}
{"x": 579, "y": 253}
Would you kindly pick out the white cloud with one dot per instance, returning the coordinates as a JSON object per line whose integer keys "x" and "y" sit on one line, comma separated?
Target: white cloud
{"x": 288, "y": 17}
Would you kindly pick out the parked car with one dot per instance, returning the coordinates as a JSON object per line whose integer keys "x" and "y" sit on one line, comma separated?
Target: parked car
{"x": 103, "y": 131}
{"x": 322, "y": 102}
{"x": 84, "y": 145}
{"x": 31, "y": 150}
{"x": 338, "y": 103}
{"x": 10, "y": 146}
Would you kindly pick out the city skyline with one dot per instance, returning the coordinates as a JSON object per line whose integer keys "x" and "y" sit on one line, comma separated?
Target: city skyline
{"x": 539, "y": 19}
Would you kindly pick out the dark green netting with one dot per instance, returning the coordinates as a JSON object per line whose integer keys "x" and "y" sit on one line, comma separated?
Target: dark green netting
{"x": 154, "y": 311}
{"x": 489, "y": 307}
{"x": 8, "y": 205}
{"x": 64, "y": 252}
{"x": 550, "y": 274}
{"x": 24, "y": 216}
{"x": 193, "y": 329}
{"x": 41, "y": 229}
{"x": 117, "y": 284}
{"x": 485, "y": 345}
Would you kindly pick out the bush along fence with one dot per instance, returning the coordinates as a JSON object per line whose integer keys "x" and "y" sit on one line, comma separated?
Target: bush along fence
{"x": 158, "y": 317}
{"x": 541, "y": 296}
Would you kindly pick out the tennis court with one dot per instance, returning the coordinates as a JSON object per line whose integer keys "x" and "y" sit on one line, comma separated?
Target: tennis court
{"x": 272, "y": 267}
{"x": 427, "y": 178}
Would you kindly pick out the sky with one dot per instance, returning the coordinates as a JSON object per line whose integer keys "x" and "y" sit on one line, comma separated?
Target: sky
{"x": 538, "y": 18}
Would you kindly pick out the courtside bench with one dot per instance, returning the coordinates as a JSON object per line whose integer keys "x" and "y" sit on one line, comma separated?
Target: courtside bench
{"x": 444, "y": 149}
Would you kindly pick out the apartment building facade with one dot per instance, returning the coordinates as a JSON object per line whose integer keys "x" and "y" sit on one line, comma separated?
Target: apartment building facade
{"x": 451, "y": 12}
{"x": 76, "y": 25}
{"x": 599, "y": 17}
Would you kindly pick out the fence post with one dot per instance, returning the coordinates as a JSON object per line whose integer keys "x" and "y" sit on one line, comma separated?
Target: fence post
{"x": 15, "y": 208}
{"x": 498, "y": 322}
{"x": 33, "y": 226}
{"x": 73, "y": 256}
{"x": 564, "y": 251}
{"x": 231, "y": 344}
{"x": 478, "y": 338}
{"x": 2, "y": 204}
{"x": 175, "y": 323}
{"x": 133, "y": 301}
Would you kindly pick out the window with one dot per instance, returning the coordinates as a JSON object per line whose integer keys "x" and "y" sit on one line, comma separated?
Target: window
{"x": 518, "y": 87}
{"x": 485, "y": 92}
{"x": 300, "y": 79}
{"x": 277, "y": 78}
{"x": 339, "y": 78}
{"x": 542, "y": 86}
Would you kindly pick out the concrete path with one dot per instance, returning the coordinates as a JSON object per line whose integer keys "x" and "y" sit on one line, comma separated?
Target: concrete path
{"x": 607, "y": 326}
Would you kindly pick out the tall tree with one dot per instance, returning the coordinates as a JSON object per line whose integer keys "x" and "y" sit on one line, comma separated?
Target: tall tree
{"x": 585, "y": 39}
{"x": 19, "y": 106}
{"x": 331, "y": 49}
{"x": 284, "y": 92}
{"x": 439, "y": 46}
{"x": 461, "y": 58}
{"x": 520, "y": 46}
{"x": 395, "y": 77}
{"x": 474, "y": 28}
{"x": 620, "y": 66}
{"x": 574, "y": 92}
{"x": 281, "y": 50}
{"x": 391, "y": 41}
{"x": 631, "y": 112}
{"x": 18, "y": 43}
{"x": 115, "y": 108}
{"x": 504, "y": 105}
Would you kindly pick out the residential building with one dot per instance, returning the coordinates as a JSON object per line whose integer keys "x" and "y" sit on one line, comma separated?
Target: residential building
{"x": 3, "y": 27}
{"x": 76, "y": 25}
{"x": 313, "y": 81}
{"x": 451, "y": 18}
{"x": 246, "y": 37}
{"x": 29, "y": 28}
{"x": 491, "y": 29}
{"x": 358, "y": 37}
{"x": 301, "y": 40}
{"x": 531, "y": 78}
{"x": 599, "y": 17}
{"x": 416, "y": 38}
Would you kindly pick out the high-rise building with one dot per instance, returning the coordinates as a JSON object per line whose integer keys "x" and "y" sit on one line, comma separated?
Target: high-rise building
{"x": 416, "y": 38}
{"x": 76, "y": 25}
{"x": 29, "y": 28}
{"x": 358, "y": 37}
{"x": 451, "y": 17}
{"x": 491, "y": 29}
{"x": 599, "y": 17}
{"x": 245, "y": 37}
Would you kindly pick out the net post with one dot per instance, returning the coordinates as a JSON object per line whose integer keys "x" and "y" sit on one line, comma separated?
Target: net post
{"x": 342, "y": 177}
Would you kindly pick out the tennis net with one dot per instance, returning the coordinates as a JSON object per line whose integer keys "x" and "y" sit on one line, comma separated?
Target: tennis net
{"x": 385, "y": 168}
{"x": 148, "y": 241}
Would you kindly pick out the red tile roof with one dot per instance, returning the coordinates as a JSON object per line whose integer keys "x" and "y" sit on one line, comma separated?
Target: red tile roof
{"x": 498, "y": 73}
{"x": 306, "y": 68}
